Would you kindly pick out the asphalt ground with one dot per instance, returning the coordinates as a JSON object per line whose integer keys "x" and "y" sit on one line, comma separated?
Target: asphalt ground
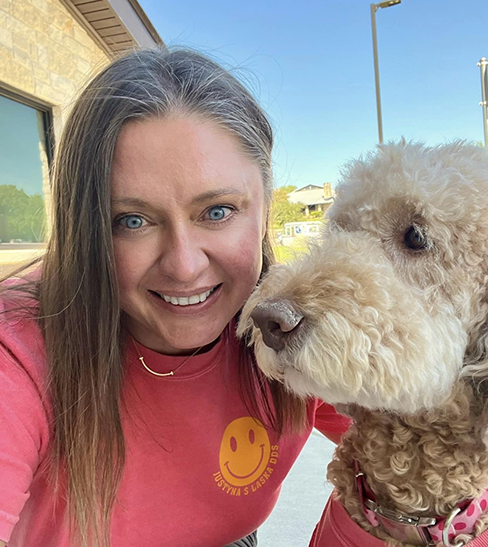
{"x": 303, "y": 497}
{"x": 13, "y": 255}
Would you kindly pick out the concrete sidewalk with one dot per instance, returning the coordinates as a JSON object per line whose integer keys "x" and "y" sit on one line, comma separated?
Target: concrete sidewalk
{"x": 303, "y": 498}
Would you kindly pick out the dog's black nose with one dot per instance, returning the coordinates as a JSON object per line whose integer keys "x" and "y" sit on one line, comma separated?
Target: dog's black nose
{"x": 277, "y": 320}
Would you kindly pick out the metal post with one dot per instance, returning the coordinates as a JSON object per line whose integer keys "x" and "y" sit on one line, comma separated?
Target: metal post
{"x": 484, "y": 96}
{"x": 374, "y": 7}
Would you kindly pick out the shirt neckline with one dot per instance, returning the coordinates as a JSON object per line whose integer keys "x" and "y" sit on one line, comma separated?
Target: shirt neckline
{"x": 158, "y": 362}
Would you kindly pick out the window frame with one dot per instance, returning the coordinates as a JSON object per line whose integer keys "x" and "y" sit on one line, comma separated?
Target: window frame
{"x": 41, "y": 106}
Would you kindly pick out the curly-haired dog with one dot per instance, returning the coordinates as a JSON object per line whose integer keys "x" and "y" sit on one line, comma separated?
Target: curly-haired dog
{"x": 388, "y": 318}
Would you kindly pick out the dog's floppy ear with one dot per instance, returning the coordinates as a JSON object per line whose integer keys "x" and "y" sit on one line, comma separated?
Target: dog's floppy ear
{"x": 476, "y": 356}
{"x": 475, "y": 371}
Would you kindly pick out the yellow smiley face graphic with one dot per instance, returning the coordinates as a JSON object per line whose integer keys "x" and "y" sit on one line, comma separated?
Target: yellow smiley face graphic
{"x": 244, "y": 452}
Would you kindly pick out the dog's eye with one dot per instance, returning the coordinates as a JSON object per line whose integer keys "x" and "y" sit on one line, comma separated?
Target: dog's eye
{"x": 415, "y": 238}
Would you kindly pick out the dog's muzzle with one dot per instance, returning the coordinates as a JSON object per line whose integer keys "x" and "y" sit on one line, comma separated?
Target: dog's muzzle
{"x": 278, "y": 322}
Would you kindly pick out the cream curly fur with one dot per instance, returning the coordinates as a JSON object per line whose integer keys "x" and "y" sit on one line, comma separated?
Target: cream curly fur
{"x": 397, "y": 337}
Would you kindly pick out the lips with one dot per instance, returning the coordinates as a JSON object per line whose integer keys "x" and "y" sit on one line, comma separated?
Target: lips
{"x": 183, "y": 305}
{"x": 185, "y": 300}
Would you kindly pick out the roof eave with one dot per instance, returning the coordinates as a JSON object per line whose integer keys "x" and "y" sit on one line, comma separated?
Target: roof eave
{"x": 115, "y": 25}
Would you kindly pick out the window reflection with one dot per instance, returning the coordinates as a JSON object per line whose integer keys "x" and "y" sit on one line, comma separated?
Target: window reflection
{"x": 24, "y": 183}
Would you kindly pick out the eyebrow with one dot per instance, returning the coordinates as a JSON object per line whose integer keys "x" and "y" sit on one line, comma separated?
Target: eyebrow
{"x": 219, "y": 192}
{"x": 133, "y": 202}
{"x": 206, "y": 196}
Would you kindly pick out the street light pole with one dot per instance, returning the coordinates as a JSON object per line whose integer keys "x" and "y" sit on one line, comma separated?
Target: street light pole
{"x": 374, "y": 9}
{"x": 483, "y": 64}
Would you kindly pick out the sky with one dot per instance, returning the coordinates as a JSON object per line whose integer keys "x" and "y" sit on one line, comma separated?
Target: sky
{"x": 310, "y": 64}
{"x": 19, "y": 147}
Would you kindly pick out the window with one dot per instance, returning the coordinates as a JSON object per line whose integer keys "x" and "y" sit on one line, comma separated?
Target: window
{"x": 25, "y": 155}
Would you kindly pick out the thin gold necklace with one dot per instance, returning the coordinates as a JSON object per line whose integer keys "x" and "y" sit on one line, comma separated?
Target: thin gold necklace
{"x": 163, "y": 374}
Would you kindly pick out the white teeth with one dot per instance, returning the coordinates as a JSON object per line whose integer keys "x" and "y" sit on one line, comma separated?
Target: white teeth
{"x": 186, "y": 300}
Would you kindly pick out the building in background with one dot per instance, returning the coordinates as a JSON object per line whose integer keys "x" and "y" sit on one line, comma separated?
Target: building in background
{"x": 48, "y": 50}
{"x": 313, "y": 197}
{"x": 303, "y": 230}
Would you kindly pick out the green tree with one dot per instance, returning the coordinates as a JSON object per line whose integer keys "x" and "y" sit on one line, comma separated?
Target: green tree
{"x": 281, "y": 193}
{"x": 21, "y": 216}
{"x": 282, "y": 210}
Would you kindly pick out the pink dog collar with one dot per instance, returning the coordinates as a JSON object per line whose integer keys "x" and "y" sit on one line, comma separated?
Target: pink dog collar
{"x": 421, "y": 530}
{"x": 462, "y": 521}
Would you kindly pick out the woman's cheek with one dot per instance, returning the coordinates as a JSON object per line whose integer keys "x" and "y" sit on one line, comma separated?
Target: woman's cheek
{"x": 245, "y": 255}
{"x": 129, "y": 264}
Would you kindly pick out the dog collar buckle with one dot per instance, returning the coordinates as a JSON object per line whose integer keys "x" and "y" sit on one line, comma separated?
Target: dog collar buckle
{"x": 399, "y": 518}
{"x": 406, "y": 528}
{"x": 418, "y": 530}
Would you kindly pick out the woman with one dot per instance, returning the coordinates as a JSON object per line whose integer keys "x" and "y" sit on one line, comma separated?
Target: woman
{"x": 129, "y": 412}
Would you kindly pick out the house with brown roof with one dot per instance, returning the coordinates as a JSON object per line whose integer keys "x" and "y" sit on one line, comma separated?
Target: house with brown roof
{"x": 313, "y": 197}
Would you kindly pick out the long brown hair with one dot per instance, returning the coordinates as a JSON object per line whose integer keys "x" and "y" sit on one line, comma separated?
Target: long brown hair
{"x": 78, "y": 294}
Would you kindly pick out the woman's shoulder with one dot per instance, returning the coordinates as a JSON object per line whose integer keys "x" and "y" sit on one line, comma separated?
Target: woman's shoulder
{"x": 25, "y": 412}
{"x": 21, "y": 340}
{"x": 328, "y": 421}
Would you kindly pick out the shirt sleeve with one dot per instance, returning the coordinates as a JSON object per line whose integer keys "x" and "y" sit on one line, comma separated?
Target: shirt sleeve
{"x": 329, "y": 422}
{"x": 23, "y": 438}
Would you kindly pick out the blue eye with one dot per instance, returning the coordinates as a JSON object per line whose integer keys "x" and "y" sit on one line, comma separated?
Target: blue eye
{"x": 132, "y": 222}
{"x": 218, "y": 212}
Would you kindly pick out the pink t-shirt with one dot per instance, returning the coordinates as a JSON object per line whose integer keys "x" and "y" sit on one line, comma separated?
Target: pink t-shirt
{"x": 337, "y": 529}
{"x": 199, "y": 470}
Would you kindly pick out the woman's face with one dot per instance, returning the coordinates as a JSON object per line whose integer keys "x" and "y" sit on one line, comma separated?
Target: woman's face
{"x": 189, "y": 218}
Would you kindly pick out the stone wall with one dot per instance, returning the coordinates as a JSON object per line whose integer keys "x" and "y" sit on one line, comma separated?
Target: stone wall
{"x": 47, "y": 55}
{"x": 45, "y": 52}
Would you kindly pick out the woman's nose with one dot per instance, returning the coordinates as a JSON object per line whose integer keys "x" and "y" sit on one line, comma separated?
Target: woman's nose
{"x": 184, "y": 258}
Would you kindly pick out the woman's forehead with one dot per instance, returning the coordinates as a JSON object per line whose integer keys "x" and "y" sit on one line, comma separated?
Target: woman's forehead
{"x": 190, "y": 154}
{"x": 176, "y": 133}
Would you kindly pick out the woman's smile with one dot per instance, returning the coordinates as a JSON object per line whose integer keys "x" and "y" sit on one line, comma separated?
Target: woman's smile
{"x": 189, "y": 299}
{"x": 183, "y": 304}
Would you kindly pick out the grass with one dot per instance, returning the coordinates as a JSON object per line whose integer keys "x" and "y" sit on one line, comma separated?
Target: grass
{"x": 285, "y": 254}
